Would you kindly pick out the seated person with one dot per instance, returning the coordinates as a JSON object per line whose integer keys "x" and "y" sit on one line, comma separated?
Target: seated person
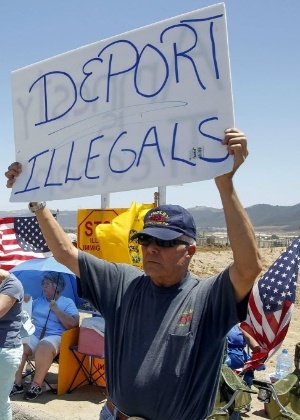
{"x": 237, "y": 356}
{"x": 52, "y": 314}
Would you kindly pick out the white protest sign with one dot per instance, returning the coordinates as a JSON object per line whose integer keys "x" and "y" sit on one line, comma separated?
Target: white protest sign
{"x": 143, "y": 109}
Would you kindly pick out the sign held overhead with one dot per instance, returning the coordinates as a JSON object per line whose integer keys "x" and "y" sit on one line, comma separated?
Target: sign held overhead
{"x": 143, "y": 109}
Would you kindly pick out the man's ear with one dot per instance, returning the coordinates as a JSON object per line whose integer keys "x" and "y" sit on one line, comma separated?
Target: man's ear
{"x": 191, "y": 250}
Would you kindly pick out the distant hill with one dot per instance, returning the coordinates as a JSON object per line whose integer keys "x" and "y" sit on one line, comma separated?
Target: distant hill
{"x": 263, "y": 217}
{"x": 283, "y": 218}
{"x": 67, "y": 219}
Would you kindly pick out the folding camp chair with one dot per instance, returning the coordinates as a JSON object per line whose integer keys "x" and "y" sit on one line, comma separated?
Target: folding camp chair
{"x": 233, "y": 396}
{"x": 282, "y": 399}
{"x": 66, "y": 369}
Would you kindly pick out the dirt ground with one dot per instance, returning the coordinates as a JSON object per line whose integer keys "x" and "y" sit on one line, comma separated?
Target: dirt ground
{"x": 85, "y": 402}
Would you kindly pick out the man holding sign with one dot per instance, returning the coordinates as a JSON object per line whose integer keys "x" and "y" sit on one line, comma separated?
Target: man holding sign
{"x": 165, "y": 328}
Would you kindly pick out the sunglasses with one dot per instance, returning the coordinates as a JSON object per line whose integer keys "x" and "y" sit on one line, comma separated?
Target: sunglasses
{"x": 146, "y": 240}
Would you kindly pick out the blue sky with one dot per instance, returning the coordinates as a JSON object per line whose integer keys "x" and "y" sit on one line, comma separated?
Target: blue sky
{"x": 264, "y": 38}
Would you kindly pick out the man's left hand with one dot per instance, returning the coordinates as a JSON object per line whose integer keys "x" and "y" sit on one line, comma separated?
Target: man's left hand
{"x": 236, "y": 143}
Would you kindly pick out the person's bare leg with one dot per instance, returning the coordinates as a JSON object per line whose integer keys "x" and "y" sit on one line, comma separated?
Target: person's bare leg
{"x": 44, "y": 355}
{"x": 26, "y": 353}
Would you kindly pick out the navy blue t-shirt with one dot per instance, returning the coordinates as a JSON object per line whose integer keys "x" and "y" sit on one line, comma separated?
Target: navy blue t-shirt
{"x": 163, "y": 346}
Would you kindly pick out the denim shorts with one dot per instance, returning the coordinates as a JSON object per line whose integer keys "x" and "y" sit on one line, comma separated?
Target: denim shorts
{"x": 105, "y": 414}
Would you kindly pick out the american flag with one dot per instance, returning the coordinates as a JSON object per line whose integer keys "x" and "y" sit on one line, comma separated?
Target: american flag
{"x": 21, "y": 239}
{"x": 271, "y": 304}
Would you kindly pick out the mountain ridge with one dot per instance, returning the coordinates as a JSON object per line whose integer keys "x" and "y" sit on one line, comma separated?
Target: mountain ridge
{"x": 285, "y": 218}
{"x": 262, "y": 216}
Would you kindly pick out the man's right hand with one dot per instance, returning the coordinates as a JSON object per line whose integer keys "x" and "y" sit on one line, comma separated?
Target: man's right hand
{"x": 12, "y": 173}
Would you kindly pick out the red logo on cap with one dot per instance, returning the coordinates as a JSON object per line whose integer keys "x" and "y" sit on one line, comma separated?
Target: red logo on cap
{"x": 158, "y": 217}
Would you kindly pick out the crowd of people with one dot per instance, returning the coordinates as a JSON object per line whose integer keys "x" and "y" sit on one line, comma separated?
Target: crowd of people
{"x": 165, "y": 329}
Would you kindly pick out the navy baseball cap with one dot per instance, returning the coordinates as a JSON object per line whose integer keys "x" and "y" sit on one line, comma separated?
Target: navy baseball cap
{"x": 168, "y": 222}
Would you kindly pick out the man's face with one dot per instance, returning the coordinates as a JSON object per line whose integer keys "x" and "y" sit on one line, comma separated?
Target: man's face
{"x": 166, "y": 265}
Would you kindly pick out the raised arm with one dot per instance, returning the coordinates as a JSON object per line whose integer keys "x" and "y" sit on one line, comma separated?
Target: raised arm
{"x": 57, "y": 240}
{"x": 246, "y": 264}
